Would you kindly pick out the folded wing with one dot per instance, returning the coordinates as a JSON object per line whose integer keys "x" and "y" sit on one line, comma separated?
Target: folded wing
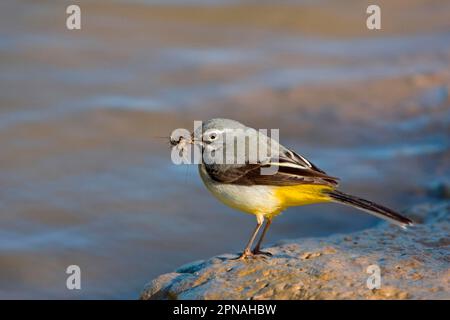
{"x": 292, "y": 169}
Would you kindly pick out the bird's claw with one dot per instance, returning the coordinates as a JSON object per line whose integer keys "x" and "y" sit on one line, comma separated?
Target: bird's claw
{"x": 252, "y": 254}
{"x": 246, "y": 254}
{"x": 263, "y": 253}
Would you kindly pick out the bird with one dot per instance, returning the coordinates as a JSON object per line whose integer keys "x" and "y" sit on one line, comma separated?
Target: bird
{"x": 242, "y": 185}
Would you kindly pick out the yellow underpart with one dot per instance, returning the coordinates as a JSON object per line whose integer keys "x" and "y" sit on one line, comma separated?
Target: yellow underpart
{"x": 303, "y": 194}
{"x": 265, "y": 200}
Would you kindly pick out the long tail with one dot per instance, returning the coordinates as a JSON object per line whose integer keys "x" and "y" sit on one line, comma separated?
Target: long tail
{"x": 370, "y": 207}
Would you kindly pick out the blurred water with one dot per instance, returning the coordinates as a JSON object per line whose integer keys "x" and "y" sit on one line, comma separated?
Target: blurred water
{"x": 85, "y": 181}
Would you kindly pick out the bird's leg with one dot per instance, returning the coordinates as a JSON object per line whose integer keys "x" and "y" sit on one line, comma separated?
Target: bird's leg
{"x": 257, "y": 248}
{"x": 247, "y": 252}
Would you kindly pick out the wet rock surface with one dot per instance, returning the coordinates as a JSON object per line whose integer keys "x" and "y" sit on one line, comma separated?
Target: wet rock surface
{"x": 414, "y": 264}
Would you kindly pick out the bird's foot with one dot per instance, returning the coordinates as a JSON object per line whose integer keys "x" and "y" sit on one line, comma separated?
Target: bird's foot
{"x": 245, "y": 255}
{"x": 259, "y": 252}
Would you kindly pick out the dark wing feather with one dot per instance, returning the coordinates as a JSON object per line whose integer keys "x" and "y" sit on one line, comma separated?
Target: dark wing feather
{"x": 285, "y": 176}
{"x": 293, "y": 169}
{"x": 231, "y": 174}
{"x": 289, "y": 156}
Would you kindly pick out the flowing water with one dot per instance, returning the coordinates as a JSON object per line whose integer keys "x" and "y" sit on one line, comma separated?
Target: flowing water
{"x": 86, "y": 179}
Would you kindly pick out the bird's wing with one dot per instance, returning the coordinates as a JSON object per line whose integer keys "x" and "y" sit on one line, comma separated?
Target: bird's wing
{"x": 288, "y": 156}
{"x": 292, "y": 169}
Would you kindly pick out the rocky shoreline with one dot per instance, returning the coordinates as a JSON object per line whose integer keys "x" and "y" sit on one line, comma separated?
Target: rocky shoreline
{"x": 413, "y": 264}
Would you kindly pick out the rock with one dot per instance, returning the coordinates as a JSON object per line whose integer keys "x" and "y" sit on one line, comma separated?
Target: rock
{"x": 414, "y": 264}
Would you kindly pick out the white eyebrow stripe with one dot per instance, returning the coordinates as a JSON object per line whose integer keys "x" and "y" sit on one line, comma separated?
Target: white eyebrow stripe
{"x": 218, "y": 131}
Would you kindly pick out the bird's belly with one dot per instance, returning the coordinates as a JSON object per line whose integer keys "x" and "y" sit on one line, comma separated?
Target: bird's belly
{"x": 251, "y": 199}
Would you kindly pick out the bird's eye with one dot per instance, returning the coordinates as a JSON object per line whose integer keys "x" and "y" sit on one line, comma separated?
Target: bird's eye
{"x": 211, "y": 136}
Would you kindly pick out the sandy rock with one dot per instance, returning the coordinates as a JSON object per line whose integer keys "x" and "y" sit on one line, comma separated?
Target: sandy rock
{"x": 414, "y": 264}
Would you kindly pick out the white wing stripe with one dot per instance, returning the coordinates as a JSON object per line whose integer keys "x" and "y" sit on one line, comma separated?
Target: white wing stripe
{"x": 309, "y": 164}
{"x": 288, "y": 164}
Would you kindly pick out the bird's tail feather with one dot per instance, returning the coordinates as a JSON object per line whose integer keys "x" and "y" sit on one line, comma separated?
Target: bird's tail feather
{"x": 370, "y": 207}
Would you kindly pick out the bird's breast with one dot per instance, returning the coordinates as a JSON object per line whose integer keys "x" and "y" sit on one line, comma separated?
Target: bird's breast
{"x": 255, "y": 199}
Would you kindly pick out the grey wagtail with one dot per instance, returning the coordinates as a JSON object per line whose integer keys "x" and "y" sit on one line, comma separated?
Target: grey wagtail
{"x": 243, "y": 186}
